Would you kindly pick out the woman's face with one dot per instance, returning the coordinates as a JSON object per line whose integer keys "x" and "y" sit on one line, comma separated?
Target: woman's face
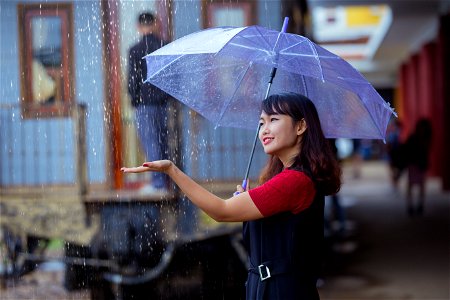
{"x": 279, "y": 136}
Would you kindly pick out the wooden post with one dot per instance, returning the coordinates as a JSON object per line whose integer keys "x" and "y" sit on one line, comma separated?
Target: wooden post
{"x": 79, "y": 121}
{"x": 111, "y": 63}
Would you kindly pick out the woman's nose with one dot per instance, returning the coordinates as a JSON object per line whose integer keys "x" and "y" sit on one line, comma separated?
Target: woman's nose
{"x": 264, "y": 130}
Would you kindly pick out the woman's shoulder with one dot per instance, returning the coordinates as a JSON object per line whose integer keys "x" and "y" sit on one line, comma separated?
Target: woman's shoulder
{"x": 294, "y": 176}
{"x": 290, "y": 190}
{"x": 299, "y": 172}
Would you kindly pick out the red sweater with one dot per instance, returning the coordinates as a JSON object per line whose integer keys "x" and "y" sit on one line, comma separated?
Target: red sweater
{"x": 289, "y": 190}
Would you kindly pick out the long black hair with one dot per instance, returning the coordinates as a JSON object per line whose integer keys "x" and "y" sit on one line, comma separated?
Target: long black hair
{"x": 315, "y": 155}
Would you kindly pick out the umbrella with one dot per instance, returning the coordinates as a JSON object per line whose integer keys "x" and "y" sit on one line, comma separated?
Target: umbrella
{"x": 224, "y": 73}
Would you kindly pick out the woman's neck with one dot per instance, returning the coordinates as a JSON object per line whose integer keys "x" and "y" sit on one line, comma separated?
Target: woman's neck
{"x": 288, "y": 159}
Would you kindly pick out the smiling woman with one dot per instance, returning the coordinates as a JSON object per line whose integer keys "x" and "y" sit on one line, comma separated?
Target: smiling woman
{"x": 283, "y": 216}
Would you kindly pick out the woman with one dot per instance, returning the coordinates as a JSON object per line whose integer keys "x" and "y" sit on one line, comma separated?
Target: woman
{"x": 283, "y": 216}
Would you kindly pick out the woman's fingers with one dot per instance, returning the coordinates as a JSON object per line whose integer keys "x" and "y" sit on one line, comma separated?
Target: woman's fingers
{"x": 158, "y": 165}
{"x": 139, "y": 169}
{"x": 239, "y": 190}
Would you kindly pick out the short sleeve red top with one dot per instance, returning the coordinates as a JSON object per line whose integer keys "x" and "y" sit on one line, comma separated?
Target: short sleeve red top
{"x": 289, "y": 190}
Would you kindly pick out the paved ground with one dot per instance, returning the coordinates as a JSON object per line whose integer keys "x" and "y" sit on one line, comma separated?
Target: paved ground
{"x": 44, "y": 284}
{"x": 395, "y": 256}
{"x": 387, "y": 255}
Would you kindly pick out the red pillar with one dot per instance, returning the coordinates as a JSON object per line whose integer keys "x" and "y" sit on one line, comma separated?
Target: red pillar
{"x": 428, "y": 101}
{"x": 410, "y": 82}
{"x": 403, "y": 105}
{"x": 415, "y": 101}
{"x": 443, "y": 98}
{"x": 427, "y": 79}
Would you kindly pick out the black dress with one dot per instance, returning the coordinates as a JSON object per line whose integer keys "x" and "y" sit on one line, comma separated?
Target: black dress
{"x": 289, "y": 247}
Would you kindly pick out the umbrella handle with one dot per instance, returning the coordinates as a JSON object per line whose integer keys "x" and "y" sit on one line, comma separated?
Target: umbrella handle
{"x": 285, "y": 24}
{"x": 244, "y": 184}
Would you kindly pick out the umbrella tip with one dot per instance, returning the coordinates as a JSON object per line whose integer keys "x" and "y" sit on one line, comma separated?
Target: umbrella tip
{"x": 285, "y": 24}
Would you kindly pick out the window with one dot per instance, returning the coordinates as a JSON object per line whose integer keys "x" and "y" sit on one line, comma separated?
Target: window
{"x": 46, "y": 64}
{"x": 232, "y": 13}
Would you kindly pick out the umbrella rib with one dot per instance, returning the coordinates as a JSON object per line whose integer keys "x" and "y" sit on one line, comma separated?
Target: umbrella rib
{"x": 292, "y": 46}
{"x": 167, "y": 74}
{"x": 372, "y": 118}
{"x": 304, "y": 84}
{"x": 317, "y": 58}
{"x": 209, "y": 67}
{"x": 224, "y": 108}
{"x": 247, "y": 38}
{"x": 250, "y": 48}
{"x": 292, "y": 58}
{"x": 386, "y": 106}
{"x": 164, "y": 67}
{"x": 251, "y": 40}
{"x": 354, "y": 80}
{"x": 307, "y": 55}
{"x": 261, "y": 35}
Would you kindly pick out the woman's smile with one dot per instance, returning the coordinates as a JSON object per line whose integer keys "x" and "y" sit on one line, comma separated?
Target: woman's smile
{"x": 266, "y": 140}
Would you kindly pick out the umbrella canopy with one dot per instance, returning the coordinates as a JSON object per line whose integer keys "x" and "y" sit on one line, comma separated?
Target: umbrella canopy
{"x": 223, "y": 73}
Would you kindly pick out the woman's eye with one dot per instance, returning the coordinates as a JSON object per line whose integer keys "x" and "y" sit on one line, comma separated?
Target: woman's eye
{"x": 273, "y": 119}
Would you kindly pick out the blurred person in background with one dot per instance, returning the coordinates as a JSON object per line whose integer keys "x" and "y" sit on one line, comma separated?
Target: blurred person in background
{"x": 149, "y": 101}
{"x": 395, "y": 151}
{"x": 417, "y": 148}
{"x": 337, "y": 210}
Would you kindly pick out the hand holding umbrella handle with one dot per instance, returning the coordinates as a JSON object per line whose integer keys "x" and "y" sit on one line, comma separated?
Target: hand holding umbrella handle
{"x": 244, "y": 187}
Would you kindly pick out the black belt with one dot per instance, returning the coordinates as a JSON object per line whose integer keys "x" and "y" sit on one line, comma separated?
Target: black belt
{"x": 268, "y": 269}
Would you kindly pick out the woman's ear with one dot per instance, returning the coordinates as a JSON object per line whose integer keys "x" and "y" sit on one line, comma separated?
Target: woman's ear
{"x": 301, "y": 126}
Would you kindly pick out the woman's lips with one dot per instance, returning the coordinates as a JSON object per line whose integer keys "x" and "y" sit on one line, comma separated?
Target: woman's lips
{"x": 267, "y": 140}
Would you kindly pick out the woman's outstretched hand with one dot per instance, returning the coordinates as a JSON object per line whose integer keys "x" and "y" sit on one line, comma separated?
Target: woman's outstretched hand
{"x": 153, "y": 166}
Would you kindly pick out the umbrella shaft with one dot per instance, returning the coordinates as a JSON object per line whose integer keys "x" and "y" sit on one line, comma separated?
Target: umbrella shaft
{"x": 272, "y": 75}
{"x": 251, "y": 154}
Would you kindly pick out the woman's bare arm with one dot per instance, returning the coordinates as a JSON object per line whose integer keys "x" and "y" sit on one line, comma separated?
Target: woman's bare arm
{"x": 235, "y": 209}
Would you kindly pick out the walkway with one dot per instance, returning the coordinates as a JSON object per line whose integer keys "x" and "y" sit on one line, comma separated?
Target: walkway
{"x": 390, "y": 256}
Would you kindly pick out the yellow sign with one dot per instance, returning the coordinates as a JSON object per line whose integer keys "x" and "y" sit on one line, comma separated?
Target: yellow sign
{"x": 358, "y": 16}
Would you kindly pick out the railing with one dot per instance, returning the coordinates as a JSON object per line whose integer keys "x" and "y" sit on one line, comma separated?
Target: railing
{"x": 39, "y": 152}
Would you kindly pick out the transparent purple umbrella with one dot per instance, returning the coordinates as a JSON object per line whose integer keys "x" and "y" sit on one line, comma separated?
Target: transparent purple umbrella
{"x": 224, "y": 74}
